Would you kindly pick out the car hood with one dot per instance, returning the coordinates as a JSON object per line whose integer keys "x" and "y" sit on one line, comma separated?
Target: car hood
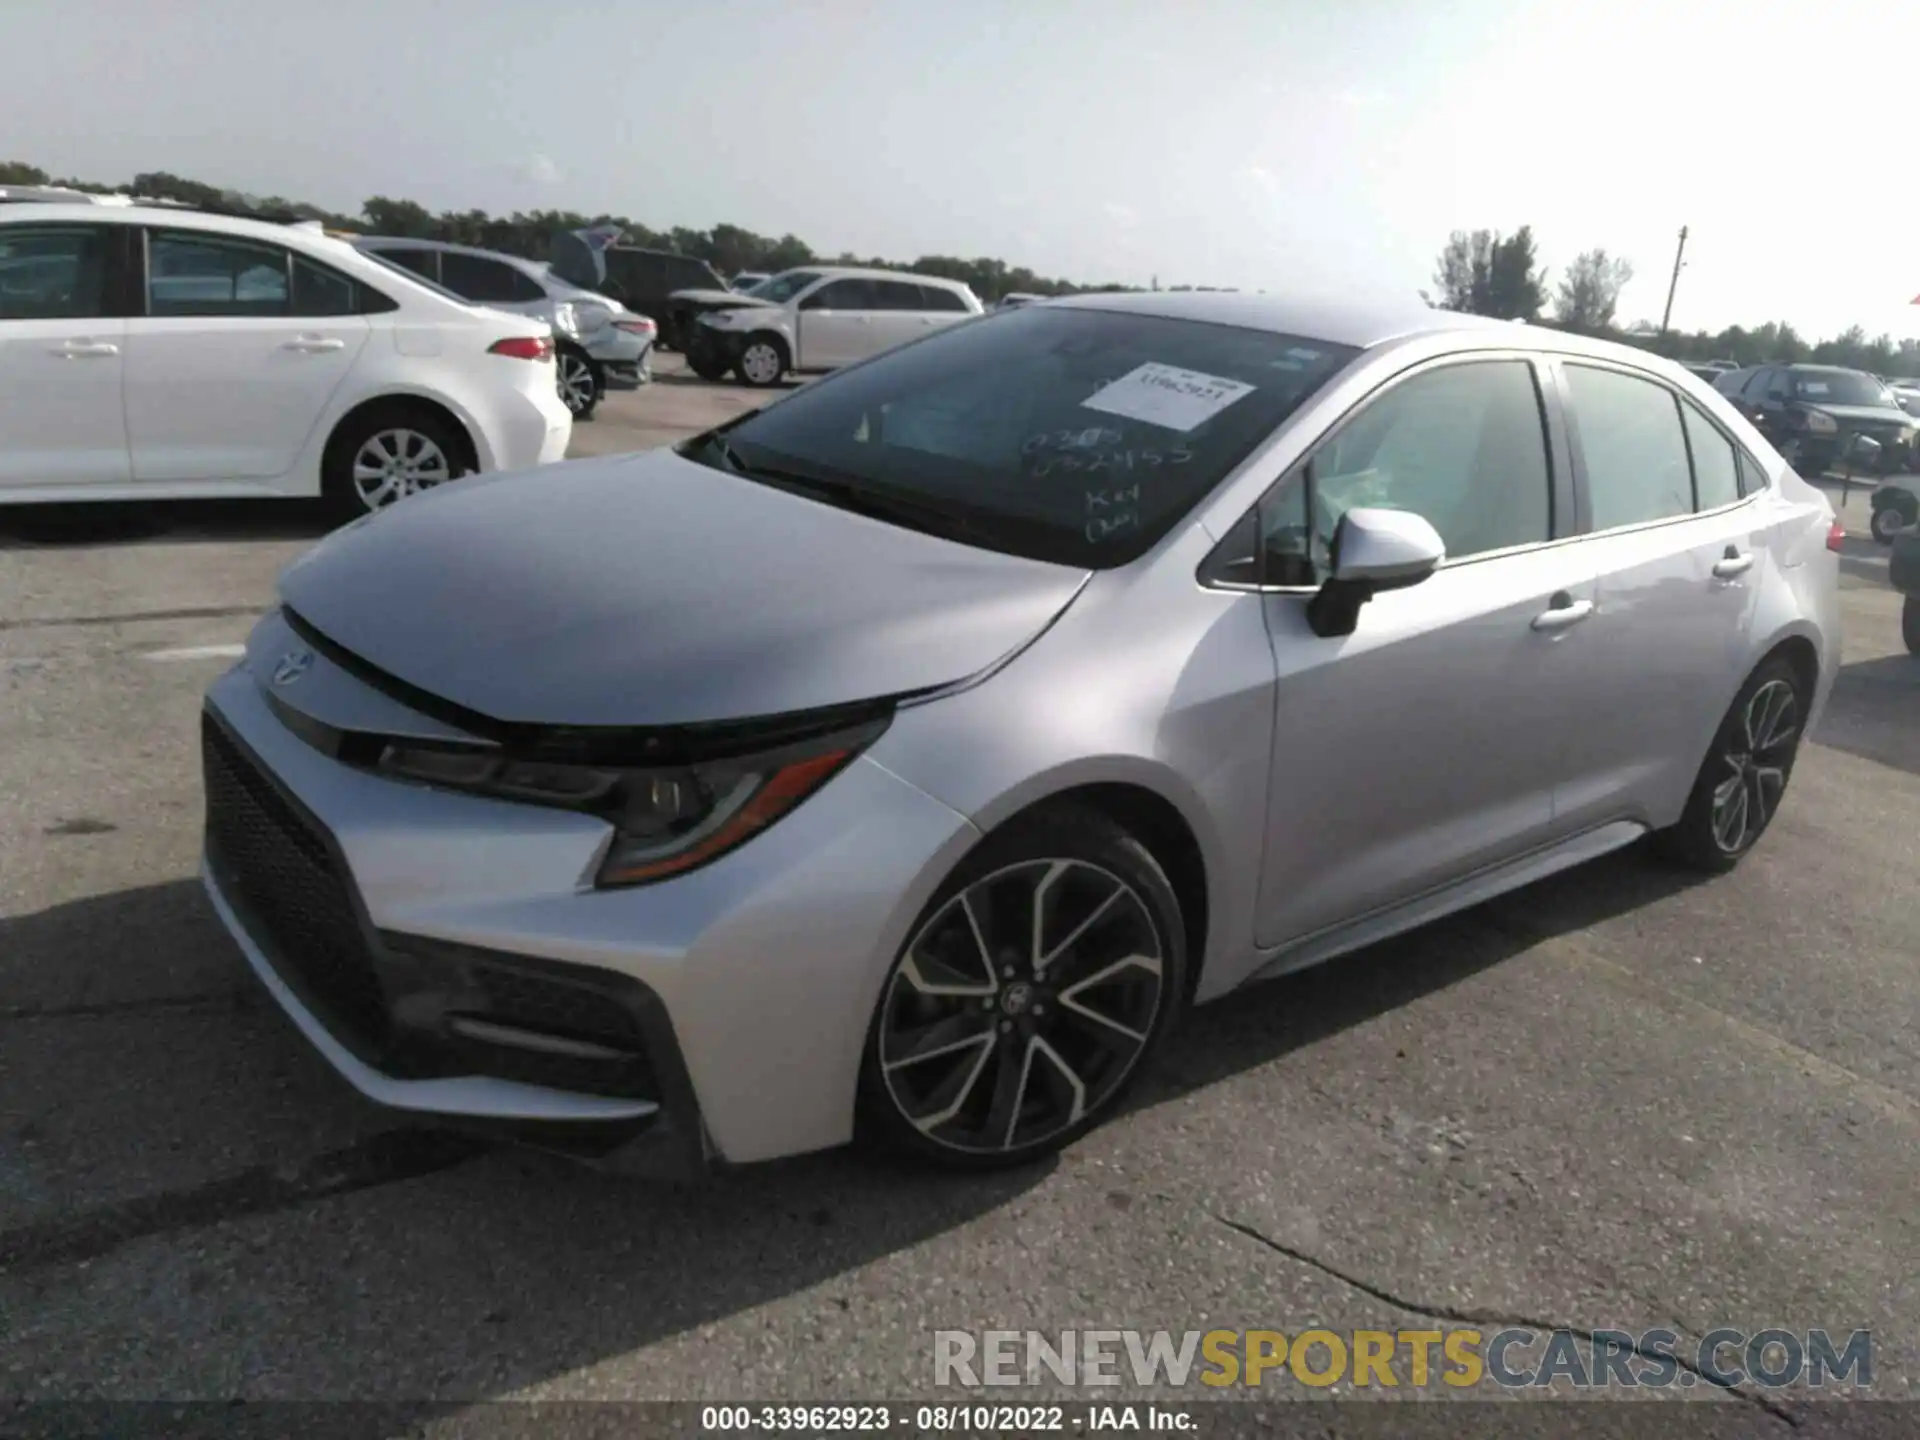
{"x": 1862, "y": 414}
{"x": 720, "y": 297}
{"x": 647, "y": 590}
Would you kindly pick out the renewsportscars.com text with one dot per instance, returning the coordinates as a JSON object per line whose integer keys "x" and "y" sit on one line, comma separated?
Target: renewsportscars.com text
{"x": 1457, "y": 1357}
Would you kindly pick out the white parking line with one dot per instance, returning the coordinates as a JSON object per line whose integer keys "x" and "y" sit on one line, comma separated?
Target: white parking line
{"x": 197, "y": 652}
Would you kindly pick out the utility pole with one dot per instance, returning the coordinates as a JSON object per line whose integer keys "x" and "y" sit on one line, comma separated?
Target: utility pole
{"x": 1674, "y": 284}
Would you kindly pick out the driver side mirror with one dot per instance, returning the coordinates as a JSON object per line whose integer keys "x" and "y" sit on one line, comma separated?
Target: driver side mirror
{"x": 1373, "y": 551}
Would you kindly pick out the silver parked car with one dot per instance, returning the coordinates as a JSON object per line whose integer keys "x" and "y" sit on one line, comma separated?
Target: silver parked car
{"x": 905, "y": 757}
{"x": 599, "y": 344}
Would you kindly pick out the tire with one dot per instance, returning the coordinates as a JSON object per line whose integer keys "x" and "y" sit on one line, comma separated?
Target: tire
{"x": 762, "y": 373}
{"x": 1707, "y": 837}
{"x": 1910, "y": 624}
{"x": 581, "y": 381}
{"x": 416, "y": 448}
{"x": 1109, "y": 910}
{"x": 707, "y": 365}
{"x": 1889, "y": 520}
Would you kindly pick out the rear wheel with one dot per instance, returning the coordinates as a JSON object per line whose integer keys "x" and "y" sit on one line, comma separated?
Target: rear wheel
{"x": 763, "y": 360}
{"x": 1890, "y": 519}
{"x": 384, "y": 454}
{"x": 1033, "y": 991}
{"x": 581, "y": 382}
{"x": 1744, "y": 777}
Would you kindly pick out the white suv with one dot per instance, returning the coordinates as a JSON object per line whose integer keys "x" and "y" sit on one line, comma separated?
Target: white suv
{"x": 821, "y": 317}
{"x": 149, "y": 352}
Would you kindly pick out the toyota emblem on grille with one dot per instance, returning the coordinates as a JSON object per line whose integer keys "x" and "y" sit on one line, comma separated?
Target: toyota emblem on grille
{"x": 292, "y": 666}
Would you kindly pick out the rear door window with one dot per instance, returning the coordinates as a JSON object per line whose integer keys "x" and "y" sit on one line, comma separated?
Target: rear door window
{"x": 213, "y": 275}
{"x": 1635, "y": 449}
{"x": 486, "y": 282}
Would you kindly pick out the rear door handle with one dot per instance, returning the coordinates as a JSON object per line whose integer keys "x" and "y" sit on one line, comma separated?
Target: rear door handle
{"x": 1732, "y": 565}
{"x": 86, "y": 350}
{"x": 1565, "y": 612}
{"x": 314, "y": 344}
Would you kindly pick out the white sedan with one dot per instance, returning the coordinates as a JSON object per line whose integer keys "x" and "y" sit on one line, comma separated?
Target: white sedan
{"x": 152, "y": 352}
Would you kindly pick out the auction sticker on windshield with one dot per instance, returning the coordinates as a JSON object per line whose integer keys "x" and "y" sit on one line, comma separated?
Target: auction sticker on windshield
{"x": 1167, "y": 396}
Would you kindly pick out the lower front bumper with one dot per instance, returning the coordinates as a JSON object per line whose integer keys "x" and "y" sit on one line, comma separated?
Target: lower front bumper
{"x": 741, "y": 992}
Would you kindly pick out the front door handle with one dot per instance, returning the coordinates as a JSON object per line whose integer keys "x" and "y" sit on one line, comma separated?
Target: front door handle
{"x": 1564, "y": 612}
{"x": 314, "y": 344}
{"x": 86, "y": 350}
{"x": 1732, "y": 565}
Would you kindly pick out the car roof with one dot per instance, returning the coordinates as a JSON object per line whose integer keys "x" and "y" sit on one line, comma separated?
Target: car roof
{"x": 449, "y": 247}
{"x": 1360, "y": 324}
{"x": 864, "y": 272}
{"x": 182, "y": 217}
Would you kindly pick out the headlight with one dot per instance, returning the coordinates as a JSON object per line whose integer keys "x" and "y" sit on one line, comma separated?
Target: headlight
{"x": 667, "y": 819}
{"x": 1820, "y": 423}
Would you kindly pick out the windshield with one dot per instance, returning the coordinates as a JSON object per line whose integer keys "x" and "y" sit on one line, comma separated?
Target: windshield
{"x": 1077, "y": 436}
{"x": 784, "y": 286}
{"x": 1841, "y": 387}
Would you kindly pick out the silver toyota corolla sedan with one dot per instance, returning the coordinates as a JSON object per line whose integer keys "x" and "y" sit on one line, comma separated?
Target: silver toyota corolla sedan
{"x": 902, "y": 759}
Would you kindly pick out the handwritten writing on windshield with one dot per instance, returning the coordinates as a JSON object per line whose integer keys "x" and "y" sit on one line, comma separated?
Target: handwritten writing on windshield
{"x": 1112, "y": 512}
{"x": 1112, "y": 460}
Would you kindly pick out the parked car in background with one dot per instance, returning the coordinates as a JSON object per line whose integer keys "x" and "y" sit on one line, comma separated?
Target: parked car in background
{"x": 747, "y": 279}
{"x": 157, "y": 353}
{"x": 1811, "y": 413}
{"x": 1015, "y": 299}
{"x": 1906, "y": 390}
{"x": 599, "y": 344}
{"x": 1022, "y": 688}
{"x": 1703, "y": 371}
{"x": 640, "y": 279}
{"x": 685, "y": 307}
{"x": 821, "y": 317}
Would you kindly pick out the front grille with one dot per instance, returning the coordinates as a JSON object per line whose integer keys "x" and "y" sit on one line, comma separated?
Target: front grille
{"x": 281, "y": 876}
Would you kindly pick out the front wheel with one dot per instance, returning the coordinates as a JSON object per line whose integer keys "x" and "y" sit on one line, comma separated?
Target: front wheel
{"x": 763, "y": 360}
{"x": 1910, "y": 624}
{"x": 705, "y": 363}
{"x": 581, "y": 382}
{"x": 1033, "y": 991}
{"x": 1744, "y": 777}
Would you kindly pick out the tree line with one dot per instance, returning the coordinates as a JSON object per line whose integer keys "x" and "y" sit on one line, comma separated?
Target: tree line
{"x": 1482, "y": 272}
{"x": 729, "y": 249}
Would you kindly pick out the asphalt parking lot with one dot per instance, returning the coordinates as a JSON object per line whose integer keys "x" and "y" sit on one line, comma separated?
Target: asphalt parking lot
{"x": 1616, "y": 1099}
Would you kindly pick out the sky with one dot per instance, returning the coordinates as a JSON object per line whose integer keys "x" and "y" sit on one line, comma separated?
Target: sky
{"x": 1261, "y": 144}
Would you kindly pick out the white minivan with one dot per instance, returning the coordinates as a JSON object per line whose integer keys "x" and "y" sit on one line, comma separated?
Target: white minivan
{"x": 821, "y": 317}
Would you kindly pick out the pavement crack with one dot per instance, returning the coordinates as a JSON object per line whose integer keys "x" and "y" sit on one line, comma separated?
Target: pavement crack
{"x": 206, "y": 1000}
{"x": 383, "y": 1159}
{"x": 1494, "y": 1319}
{"x": 137, "y": 617}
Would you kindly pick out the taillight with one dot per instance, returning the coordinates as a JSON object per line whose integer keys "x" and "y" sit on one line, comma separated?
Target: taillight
{"x": 523, "y": 347}
{"x": 635, "y": 327}
{"x": 1836, "y": 535}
